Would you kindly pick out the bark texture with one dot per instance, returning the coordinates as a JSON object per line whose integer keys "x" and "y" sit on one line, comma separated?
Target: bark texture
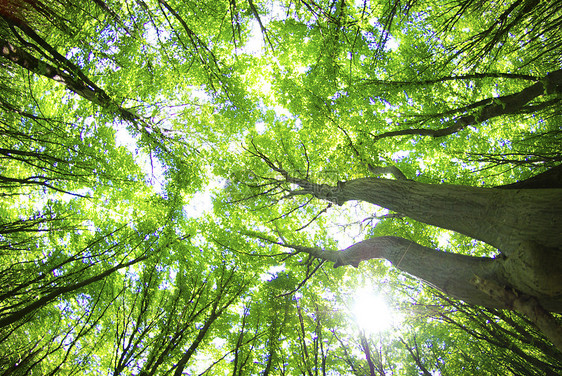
{"x": 526, "y": 305}
{"x": 451, "y": 273}
{"x": 448, "y": 272}
{"x": 524, "y": 224}
{"x": 500, "y": 217}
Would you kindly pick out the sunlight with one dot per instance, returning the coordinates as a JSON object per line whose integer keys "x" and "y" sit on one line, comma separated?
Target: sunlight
{"x": 202, "y": 202}
{"x": 151, "y": 166}
{"x": 370, "y": 311}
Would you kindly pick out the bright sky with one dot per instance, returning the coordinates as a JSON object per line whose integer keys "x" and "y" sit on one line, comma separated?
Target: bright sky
{"x": 370, "y": 310}
{"x": 372, "y": 313}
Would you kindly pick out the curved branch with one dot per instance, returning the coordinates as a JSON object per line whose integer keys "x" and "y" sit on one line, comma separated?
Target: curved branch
{"x": 453, "y": 78}
{"x": 315, "y": 217}
{"x": 450, "y": 273}
{"x": 504, "y": 105}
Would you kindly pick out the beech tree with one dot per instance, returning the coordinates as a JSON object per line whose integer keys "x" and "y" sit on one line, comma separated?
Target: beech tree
{"x": 523, "y": 224}
{"x": 521, "y": 221}
{"x": 177, "y": 179}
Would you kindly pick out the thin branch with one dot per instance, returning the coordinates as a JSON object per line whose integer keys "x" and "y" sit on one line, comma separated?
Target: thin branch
{"x": 302, "y": 283}
{"x": 315, "y": 217}
{"x": 262, "y": 27}
{"x": 291, "y": 211}
{"x": 252, "y": 254}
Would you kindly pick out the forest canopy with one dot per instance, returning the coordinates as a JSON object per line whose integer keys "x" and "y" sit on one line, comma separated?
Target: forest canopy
{"x": 280, "y": 187}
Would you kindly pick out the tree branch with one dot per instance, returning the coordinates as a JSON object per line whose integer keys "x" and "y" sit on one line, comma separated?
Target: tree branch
{"x": 448, "y": 272}
{"x": 452, "y": 78}
{"x": 504, "y": 105}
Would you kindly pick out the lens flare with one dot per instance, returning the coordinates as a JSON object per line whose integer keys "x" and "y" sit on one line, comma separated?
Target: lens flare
{"x": 371, "y": 313}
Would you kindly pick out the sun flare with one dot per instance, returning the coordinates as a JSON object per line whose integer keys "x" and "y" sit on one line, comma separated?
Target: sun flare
{"x": 371, "y": 312}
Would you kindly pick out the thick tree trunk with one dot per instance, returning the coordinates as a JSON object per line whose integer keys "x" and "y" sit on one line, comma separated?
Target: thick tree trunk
{"x": 451, "y": 273}
{"x": 502, "y": 218}
{"x": 524, "y": 224}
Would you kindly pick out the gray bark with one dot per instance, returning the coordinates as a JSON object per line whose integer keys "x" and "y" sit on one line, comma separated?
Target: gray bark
{"x": 524, "y": 224}
{"x": 448, "y": 272}
{"x": 451, "y": 273}
{"x": 502, "y": 218}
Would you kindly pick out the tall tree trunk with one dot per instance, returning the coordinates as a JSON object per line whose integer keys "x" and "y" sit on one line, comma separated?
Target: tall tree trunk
{"x": 502, "y": 218}
{"x": 451, "y": 273}
{"x": 524, "y": 224}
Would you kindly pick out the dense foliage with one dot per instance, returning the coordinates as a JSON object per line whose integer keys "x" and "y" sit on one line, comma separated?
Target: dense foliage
{"x": 142, "y": 215}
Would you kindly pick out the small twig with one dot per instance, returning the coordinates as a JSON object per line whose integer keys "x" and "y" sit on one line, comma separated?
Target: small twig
{"x": 315, "y": 217}
{"x": 301, "y": 284}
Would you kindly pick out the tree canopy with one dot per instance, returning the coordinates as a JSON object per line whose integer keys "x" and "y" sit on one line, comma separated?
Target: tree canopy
{"x": 280, "y": 187}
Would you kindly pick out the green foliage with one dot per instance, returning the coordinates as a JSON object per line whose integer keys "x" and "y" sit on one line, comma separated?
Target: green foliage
{"x": 143, "y": 206}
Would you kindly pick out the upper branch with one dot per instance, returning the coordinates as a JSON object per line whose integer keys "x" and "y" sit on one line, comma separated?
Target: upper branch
{"x": 490, "y": 108}
{"x": 452, "y": 78}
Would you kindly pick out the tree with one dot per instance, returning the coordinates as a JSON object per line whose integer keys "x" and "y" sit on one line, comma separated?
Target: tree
{"x": 175, "y": 176}
{"x": 522, "y": 224}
